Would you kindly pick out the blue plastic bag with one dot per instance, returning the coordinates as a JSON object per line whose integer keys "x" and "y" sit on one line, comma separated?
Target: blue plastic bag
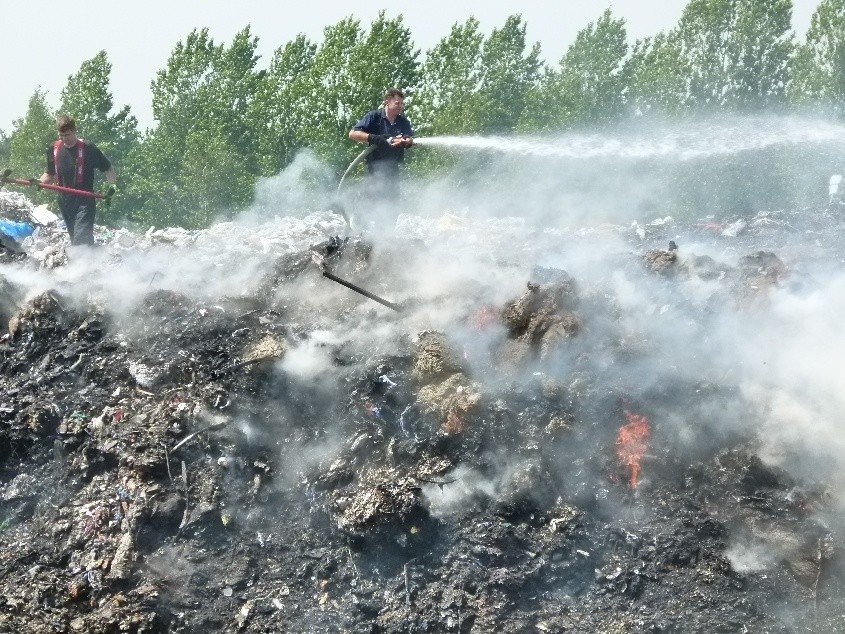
{"x": 16, "y": 230}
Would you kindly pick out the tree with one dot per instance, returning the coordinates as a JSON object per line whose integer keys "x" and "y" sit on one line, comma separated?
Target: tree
{"x": 328, "y": 84}
{"x": 819, "y": 77}
{"x": 762, "y": 50}
{"x": 383, "y": 59}
{"x": 30, "y": 140}
{"x": 212, "y": 170}
{"x": 509, "y": 73}
{"x": 4, "y": 148}
{"x": 451, "y": 79}
{"x": 281, "y": 108}
{"x": 348, "y": 76}
{"x": 590, "y": 84}
{"x": 201, "y": 101}
{"x": 656, "y": 75}
{"x": 737, "y": 51}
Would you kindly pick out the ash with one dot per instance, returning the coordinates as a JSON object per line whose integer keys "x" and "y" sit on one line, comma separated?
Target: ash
{"x": 571, "y": 430}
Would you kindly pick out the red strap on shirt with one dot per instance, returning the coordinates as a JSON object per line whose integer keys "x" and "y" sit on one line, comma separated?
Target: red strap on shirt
{"x": 80, "y": 162}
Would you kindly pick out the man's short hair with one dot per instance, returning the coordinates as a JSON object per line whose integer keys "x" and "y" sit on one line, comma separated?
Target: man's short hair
{"x": 393, "y": 92}
{"x": 65, "y": 123}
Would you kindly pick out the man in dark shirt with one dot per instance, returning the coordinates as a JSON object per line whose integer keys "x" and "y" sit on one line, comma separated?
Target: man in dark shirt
{"x": 71, "y": 163}
{"x": 389, "y": 130}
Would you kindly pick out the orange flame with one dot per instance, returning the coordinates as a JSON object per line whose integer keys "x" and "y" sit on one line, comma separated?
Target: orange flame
{"x": 632, "y": 443}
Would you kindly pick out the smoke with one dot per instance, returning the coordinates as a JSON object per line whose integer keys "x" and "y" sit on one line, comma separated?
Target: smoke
{"x": 751, "y": 557}
{"x": 447, "y": 247}
{"x": 643, "y": 170}
{"x": 469, "y": 239}
{"x": 796, "y": 375}
{"x": 311, "y": 361}
{"x": 302, "y": 185}
{"x": 463, "y": 490}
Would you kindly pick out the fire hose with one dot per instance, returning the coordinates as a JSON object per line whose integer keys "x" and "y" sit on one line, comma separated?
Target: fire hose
{"x": 357, "y": 161}
{"x": 7, "y": 179}
{"x": 320, "y": 261}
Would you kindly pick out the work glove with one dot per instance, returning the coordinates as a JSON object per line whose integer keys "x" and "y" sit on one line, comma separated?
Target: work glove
{"x": 111, "y": 190}
{"x": 378, "y": 139}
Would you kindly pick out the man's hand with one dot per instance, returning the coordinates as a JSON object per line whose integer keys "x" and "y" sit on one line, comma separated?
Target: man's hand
{"x": 400, "y": 141}
{"x": 378, "y": 139}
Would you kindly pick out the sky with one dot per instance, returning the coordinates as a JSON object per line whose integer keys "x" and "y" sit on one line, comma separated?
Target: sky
{"x": 42, "y": 50}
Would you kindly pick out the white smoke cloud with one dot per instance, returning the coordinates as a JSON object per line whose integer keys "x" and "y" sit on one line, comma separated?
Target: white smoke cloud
{"x": 796, "y": 374}
{"x": 463, "y": 489}
{"x": 471, "y": 238}
{"x": 752, "y": 557}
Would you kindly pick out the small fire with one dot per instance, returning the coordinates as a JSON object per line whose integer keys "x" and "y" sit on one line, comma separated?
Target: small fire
{"x": 483, "y": 318}
{"x": 632, "y": 443}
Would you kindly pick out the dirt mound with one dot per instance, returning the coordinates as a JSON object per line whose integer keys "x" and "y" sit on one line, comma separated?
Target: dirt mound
{"x": 280, "y": 457}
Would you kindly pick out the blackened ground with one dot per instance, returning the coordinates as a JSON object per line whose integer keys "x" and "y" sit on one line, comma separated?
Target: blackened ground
{"x": 163, "y": 473}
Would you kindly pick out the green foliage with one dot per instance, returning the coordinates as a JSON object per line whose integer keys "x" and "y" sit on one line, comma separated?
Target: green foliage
{"x": 763, "y": 46}
{"x": 450, "y": 80}
{"x": 221, "y": 124}
{"x": 819, "y": 76}
{"x": 445, "y": 101}
{"x": 508, "y": 74}
{"x": 5, "y": 148}
{"x": 213, "y": 179}
{"x": 590, "y": 85}
{"x": 203, "y": 144}
{"x": 282, "y": 107}
{"x": 656, "y": 75}
{"x": 737, "y": 51}
{"x": 322, "y": 98}
{"x": 348, "y": 76}
{"x": 384, "y": 58}
{"x": 30, "y": 141}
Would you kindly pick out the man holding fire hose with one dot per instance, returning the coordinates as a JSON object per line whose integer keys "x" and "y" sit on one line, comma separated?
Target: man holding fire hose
{"x": 389, "y": 131}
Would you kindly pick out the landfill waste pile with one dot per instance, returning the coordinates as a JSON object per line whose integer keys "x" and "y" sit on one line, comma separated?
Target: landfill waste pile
{"x": 594, "y": 429}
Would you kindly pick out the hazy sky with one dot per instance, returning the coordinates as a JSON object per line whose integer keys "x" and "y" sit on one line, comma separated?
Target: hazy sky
{"x": 41, "y": 48}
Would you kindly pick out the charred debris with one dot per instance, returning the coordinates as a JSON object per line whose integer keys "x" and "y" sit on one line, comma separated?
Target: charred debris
{"x": 162, "y": 469}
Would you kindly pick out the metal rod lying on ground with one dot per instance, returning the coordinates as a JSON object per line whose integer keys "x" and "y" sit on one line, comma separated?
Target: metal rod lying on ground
{"x": 358, "y": 289}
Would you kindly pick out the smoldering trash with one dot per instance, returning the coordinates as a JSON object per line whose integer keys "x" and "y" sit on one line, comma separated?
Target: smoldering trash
{"x": 563, "y": 430}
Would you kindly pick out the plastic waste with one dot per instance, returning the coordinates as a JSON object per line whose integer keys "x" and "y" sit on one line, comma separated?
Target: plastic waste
{"x": 16, "y": 230}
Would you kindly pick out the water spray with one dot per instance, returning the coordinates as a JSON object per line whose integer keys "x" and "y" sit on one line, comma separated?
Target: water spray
{"x": 705, "y": 140}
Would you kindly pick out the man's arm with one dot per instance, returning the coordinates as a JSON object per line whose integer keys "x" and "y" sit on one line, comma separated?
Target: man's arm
{"x": 359, "y": 136}
{"x": 47, "y": 176}
{"x": 103, "y": 164}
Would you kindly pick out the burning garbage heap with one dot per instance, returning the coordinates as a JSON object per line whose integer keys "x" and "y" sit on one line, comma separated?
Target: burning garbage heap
{"x": 172, "y": 468}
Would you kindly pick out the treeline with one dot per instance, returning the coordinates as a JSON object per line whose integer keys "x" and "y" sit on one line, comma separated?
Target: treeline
{"x": 221, "y": 122}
